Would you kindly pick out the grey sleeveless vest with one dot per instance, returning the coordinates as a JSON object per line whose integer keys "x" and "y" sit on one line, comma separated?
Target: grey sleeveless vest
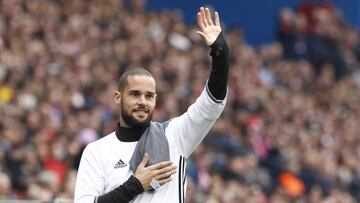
{"x": 154, "y": 142}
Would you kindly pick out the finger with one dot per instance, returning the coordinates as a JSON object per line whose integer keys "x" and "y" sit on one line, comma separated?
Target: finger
{"x": 200, "y": 21}
{"x": 217, "y": 19}
{"x": 208, "y": 16}
{"x": 165, "y": 170}
{"x": 166, "y": 175}
{"x": 160, "y": 165}
{"x": 144, "y": 161}
{"x": 203, "y": 16}
{"x": 163, "y": 181}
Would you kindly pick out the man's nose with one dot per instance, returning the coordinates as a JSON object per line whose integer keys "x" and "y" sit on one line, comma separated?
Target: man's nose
{"x": 142, "y": 99}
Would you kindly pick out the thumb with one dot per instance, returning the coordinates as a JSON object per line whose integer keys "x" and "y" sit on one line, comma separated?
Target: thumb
{"x": 144, "y": 161}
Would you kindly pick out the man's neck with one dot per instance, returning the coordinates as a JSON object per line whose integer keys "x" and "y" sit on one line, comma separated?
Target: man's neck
{"x": 129, "y": 134}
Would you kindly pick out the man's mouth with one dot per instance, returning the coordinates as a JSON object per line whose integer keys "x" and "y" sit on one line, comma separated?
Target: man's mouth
{"x": 141, "y": 113}
{"x": 141, "y": 110}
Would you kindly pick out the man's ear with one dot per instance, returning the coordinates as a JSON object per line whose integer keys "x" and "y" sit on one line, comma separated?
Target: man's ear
{"x": 117, "y": 97}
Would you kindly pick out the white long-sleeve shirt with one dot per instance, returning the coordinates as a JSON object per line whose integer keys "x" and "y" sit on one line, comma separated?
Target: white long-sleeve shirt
{"x": 105, "y": 165}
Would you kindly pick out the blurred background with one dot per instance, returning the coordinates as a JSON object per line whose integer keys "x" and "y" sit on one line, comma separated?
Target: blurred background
{"x": 289, "y": 132}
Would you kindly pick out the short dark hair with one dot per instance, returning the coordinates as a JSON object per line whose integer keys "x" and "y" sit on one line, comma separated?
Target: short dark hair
{"x": 133, "y": 71}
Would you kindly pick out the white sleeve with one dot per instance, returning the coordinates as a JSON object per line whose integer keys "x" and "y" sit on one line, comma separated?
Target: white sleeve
{"x": 90, "y": 178}
{"x": 188, "y": 130}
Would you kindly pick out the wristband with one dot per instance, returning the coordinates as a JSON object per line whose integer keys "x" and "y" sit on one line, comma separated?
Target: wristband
{"x": 154, "y": 184}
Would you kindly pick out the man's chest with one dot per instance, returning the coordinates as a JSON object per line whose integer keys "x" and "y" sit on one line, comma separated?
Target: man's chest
{"x": 117, "y": 167}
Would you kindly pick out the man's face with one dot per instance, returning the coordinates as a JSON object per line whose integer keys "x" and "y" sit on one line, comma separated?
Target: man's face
{"x": 137, "y": 101}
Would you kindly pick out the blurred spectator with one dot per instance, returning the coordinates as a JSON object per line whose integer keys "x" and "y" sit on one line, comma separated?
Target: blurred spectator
{"x": 5, "y": 186}
{"x": 313, "y": 32}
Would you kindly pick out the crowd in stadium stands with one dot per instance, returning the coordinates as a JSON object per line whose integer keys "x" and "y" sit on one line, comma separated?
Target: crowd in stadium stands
{"x": 289, "y": 133}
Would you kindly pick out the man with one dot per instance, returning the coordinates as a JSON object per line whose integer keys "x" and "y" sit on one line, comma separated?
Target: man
{"x": 145, "y": 161}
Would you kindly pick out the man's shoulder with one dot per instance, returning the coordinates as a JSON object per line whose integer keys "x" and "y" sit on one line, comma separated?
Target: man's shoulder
{"x": 162, "y": 125}
{"x": 104, "y": 141}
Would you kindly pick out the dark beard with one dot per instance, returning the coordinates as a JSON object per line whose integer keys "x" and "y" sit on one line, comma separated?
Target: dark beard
{"x": 132, "y": 122}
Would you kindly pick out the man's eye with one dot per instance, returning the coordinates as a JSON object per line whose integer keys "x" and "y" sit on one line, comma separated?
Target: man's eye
{"x": 149, "y": 96}
{"x": 135, "y": 94}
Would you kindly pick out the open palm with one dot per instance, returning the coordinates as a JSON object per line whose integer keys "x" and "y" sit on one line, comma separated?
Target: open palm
{"x": 209, "y": 30}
